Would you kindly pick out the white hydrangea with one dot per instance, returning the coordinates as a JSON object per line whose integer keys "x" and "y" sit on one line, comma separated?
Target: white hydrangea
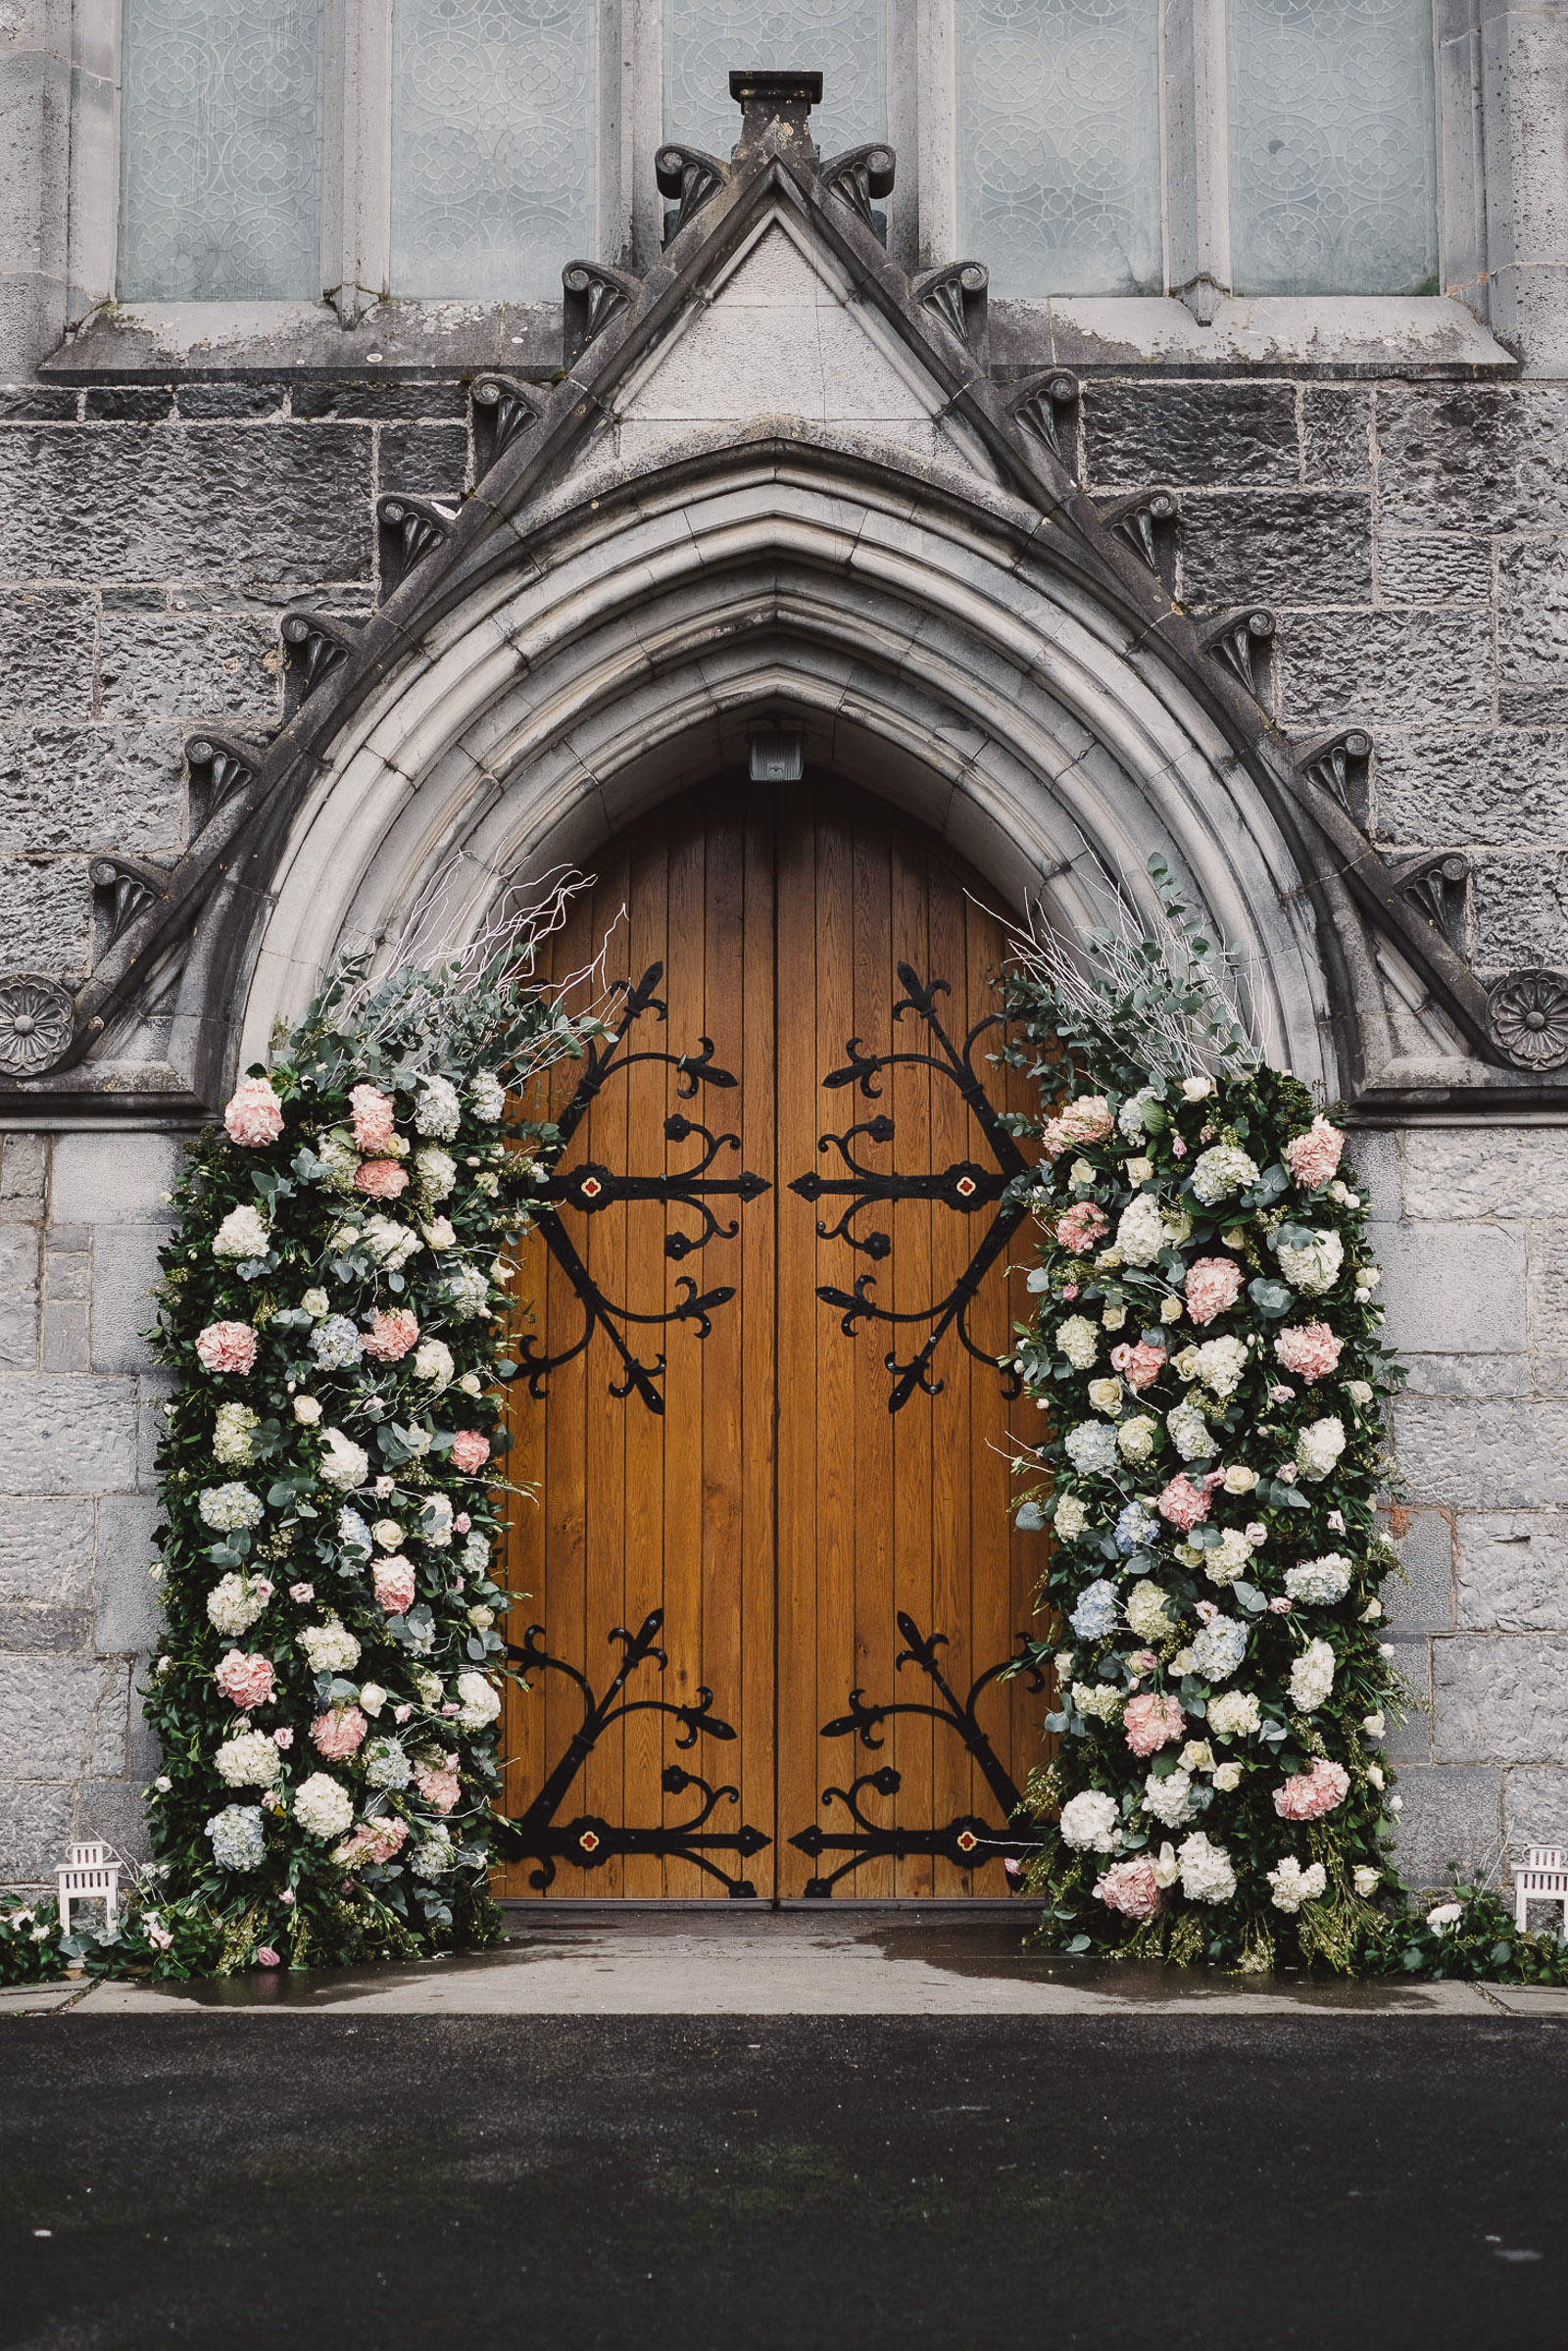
{"x": 1088, "y": 1822}
{"x": 1311, "y": 1677}
{"x": 251, "y": 1760}
{"x": 428, "y": 1685}
{"x": 243, "y": 1233}
{"x": 1070, "y": 1518}
{"x": 1319, "y": 1446}
{"x": 436, "y": 1172}
{"x": 433, "y": 1362}
{"x": 1319, "y": 1582}
{"x": 386, "y": 1765}
{"x": 1091, "y": 1446}
{"x": 1220, "y": 1171}
{"x": 227, "y": 1507}
{"x": 437, "y": 1111}
{"x": 1230, "y": 1559}
{"x": 469, "y": 1293}
{"x": 391, "y": 1243}
{"x": 337, "y": 1162}
{"x": 478, "y": 1701}
{"x": 1314, "y": 1266}
{"x": 433, "y": 1857}
{"x": 1169, "y": 1799}
{"x": 1207, "y": 1871}
{"x": 435, "y": 1522}
{"x": 1220, "y": 1364}
{"x": 1189, "y": 1431}
{"x": 1218, "y": 1648}
{"x": 1141, "y": 1230}
{"x": 1235, "y": 1714}
{"x": 1100, "y": 1699}
{"x": 231, "y": 1435}
{"x": 329, "y": 1648}
{"x": 487, "y": 1095}
{"x": 1148, "y": 1614}
{"x": 476, "y": 1554}
{"x": 237, "y": 1838}
{"x": 344, "y": 1464}
{"x": 1134, "y": 1437}
{"x": 1291, "y": 1885}
{"x": 1078, "y": 1340}
{"x": 234, "y": 1605}
{"x": 323, "y": 1805}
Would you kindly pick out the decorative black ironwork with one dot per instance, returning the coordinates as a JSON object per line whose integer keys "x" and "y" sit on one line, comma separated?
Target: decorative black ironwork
{"x": 588, "y": 1843}
{"x": 967, "y": 1841}
{"x": 593, "y": 1188}
{"x": 966, "y": 1187}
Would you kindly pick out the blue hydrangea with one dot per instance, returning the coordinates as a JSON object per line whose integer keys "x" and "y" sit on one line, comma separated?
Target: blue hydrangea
{"x": 1091, "y": 1447}
{"x": 1134, "y": 1528}
{"x": 335, "y": 1343}
{"x": 1096, "y": 1612}
{"x": 386, "y": 1765}
{"x": 239, "y": 1840}
{"x": 1219, "y": 1648}
{"x": 352, "y": 1531}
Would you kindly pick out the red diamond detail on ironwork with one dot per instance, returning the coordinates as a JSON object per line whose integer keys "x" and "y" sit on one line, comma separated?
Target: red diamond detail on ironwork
{"x": 967, "y": 1840}
{"x": 589, "y": 1840}
{"x": 591, "y": 1187}
{"x": 964, "y": 1187}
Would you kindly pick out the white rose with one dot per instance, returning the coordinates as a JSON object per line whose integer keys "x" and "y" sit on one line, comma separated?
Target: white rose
{"x": 1197, "y": 1090}
{"x": 1367, "y": 1879}
{"x": 439, "y": 1233}
{"x": 1166, "y": 1867}
{"x": 470, "y": 1383}
{"x": 306, "y": 1410}
{"x": 372, "y": 1698}
{"x": 433, "y": 1362}
{"x": 1226, "y": 1776}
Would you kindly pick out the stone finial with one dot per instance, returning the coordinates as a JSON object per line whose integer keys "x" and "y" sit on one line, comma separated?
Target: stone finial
{"x": 777, "y": 100}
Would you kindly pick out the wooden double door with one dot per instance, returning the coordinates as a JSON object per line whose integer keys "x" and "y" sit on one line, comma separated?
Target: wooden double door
{"x": 770, "y": 1555}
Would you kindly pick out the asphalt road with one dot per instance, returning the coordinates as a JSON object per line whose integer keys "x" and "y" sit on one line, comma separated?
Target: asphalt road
{"x": 586, "y": 2182}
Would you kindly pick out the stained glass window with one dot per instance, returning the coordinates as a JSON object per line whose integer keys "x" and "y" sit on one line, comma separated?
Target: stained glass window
{"x": 493, "y": 146}
{"x": 706, "y": 40}
{"x": 1058, "y": 144}
{"x": 221, "y": 146}
{"x": 1333, "y": 169}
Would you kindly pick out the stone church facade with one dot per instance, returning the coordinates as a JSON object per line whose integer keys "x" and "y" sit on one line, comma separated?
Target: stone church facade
{"x": 305, "y": 602}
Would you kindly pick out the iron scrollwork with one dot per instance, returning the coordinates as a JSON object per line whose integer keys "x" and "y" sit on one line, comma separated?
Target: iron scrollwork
{"x": 967, "y": 1841}
{"x": 588, "y": 1843}
{"x": 966, "y": 1188}
{"x": 592, "y": 1188}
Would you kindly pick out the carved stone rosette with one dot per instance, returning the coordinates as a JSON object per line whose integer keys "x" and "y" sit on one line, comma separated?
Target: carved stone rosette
{"x": 37, "y": 1022}
{"x": 1527, "y": 1013}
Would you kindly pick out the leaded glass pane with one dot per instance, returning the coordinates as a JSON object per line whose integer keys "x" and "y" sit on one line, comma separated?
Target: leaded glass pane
{"x": 1058, "y": 144}
{"x": 493, "y": 146}
{"x": 1333, "y": 147}
{"x": 706, "y": 40}
{"x": 220, "y": 151}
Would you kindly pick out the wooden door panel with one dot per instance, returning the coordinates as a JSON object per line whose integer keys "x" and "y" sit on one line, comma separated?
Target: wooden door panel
{"x": 756, "y": 1494}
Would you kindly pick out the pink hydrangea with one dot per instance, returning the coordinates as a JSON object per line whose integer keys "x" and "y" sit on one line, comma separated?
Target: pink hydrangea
{"x": 1212, "y": 1287}
{"x": 375, "y": 1840}
{"x": 1086, "y": 1120}
{"x": 438, "y": 1783}
{"x": 339, "y": 1732}
{"x": 1151, "y": 1722}
{"x": 1183, "y": 1504}
{"x": 1309, "y": 1349}
{"x": 1138, "y": 1366}
{"x": 469, "y": 1451}
{"x": 393, "y": 1579}
{"x": 245, "y": 1680}
{"x": 1083, "y": 1225}
{"x": 253, "y": 1115}
{"x": 1313, "y": 1157}
{"x": 226, "y": 1346}
{"x": 374, "y": 1117}
{"x": 392, "y": 1334}
{"x": 1130, "y": 1887}
{"x": 1307, "y": 1795}
{"x": 382, "y": 1179}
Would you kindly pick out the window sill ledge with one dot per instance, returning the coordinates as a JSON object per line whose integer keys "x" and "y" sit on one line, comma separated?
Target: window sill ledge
{"x": 1329, "y": 334}
{"x": 154, "y": 341}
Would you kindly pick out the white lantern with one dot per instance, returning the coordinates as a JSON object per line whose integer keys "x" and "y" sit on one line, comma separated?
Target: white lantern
{"x": 91, "y": 1874}
{"x": 1539, "y": 1878}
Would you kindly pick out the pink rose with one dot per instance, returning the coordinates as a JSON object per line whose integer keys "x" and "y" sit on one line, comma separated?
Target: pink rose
{"x": 1307, "y": 1795}
{"x": 245, "y": 1680}
{"x": 1142, "y": 1661}
{"x": 1309, "y": 1349}
{"x": 283, "y": 1737}
{"x": 1151, "y": 1722}
{"x": 438, "y": 1783}
{"x": 391, "y": 1335}
{"x": 469, "y": 1451}
{"x": 393, "y": 1579}
{"x": 1279, "y": 1608}
{"x": 1336, "y": 1521}
{"x": 268, "y": 1957}
{"x": 461, "y": 1523}
{"x": 1183, "y": 1504}
{"x": 1313, "y": 1157}
{"x": 1069, "y": 1289}
{"x": 157, "y": 1935}
{"x": 374, "y": 1117}
{"x": 1281, "y": 1395}
{"x": 1212, "y": 1287}
{"x": 226, "y": 1346}
{"x": 1256, "y": 1532}
{"x": 452, "y": 1707}
{"x": 339, "y": 1732}
{"x": 1082, "y": 1227}
{"x": 401, "y": 1714}
{"x": 254, "y": 1115}
{"x": 382, "y": 1179}
{"x": 1130, "y": 1887}
{"x": 287, "y": 1897}
{"x": 1178, "y": 1148}
{"x": 1139, "y": 1365}
{"x": 383, "y": 1487}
